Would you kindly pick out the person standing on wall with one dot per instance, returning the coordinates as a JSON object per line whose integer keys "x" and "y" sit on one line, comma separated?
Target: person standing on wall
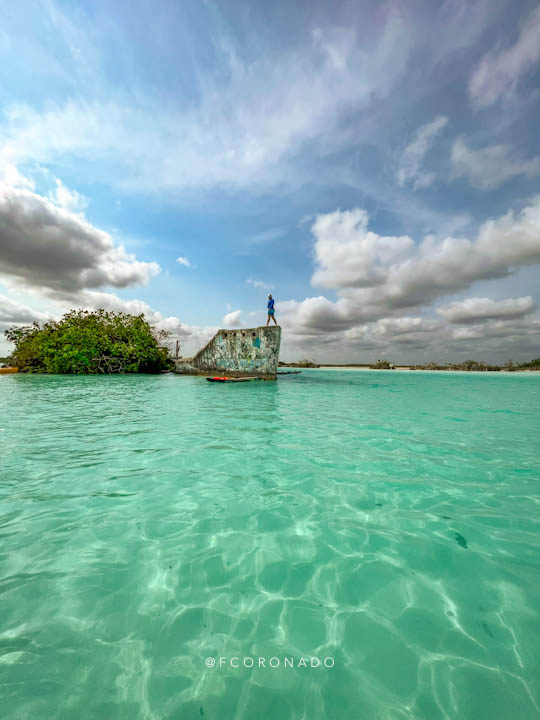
{"x": 271, "y": 315}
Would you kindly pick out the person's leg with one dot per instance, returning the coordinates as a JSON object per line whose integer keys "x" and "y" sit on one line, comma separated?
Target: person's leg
{"x": 268, "y": 320}
{"x": 274, "y": 319}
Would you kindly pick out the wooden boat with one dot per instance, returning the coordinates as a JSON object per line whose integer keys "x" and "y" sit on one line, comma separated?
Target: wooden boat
{"x": 231, "y": 379}
{"x": 5, "y": 371}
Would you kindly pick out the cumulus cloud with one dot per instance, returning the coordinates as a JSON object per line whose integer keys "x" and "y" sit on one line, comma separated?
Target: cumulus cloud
{"x": 57, "y": 254}
{"x": 410, "y": 167}
{"x": 233, "y": 318}
{"x": 93, "y": 300}
{"x": 192, "y": 337}
{"x": 183, "y": 261}
{"x": 395, "y": 334}
{"x": 508, "y": 336}
{"x": 259, "y": 284}
{"x": 473, "y": 310}
{"x": 500, "y": 72}
{"x": 14, "y": 313}
{"x": 46, "y": 246}
{"x": 10, "y": 177}
{"x": 489, "y": 167}
{"x": 348, "y": 254}
{"x": 315, "y": 315}
{"x": 402, "y": 326}
{"x": 420, "y": 339}
{"x": 381, "y": 276}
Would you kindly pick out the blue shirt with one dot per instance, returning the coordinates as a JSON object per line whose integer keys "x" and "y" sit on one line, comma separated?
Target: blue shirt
{"x": 271, "y": 304}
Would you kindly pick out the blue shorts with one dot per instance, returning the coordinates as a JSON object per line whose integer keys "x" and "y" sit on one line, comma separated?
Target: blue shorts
{"x": 271, "y": 311}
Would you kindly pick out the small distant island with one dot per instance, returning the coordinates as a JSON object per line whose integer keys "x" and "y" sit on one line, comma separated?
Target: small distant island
{"x": 299, "y": 364}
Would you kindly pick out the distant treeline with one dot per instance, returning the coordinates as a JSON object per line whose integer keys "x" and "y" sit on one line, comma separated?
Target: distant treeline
{"x": 468, "y": 366}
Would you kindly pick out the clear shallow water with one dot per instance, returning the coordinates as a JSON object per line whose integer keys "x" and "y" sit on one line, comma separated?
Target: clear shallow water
{"x": 389, "y": 521}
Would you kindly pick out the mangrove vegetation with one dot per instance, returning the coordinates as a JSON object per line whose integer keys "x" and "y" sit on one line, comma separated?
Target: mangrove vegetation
{"x": 90, "y": 342}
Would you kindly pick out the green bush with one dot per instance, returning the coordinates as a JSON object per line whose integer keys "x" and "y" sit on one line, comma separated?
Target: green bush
{"x": 89, "y": 342}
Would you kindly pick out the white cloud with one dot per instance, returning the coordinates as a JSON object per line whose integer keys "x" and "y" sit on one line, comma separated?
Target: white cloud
{"x": 348, "y": 254}
{"x": 316, "y": 315}
{"x": 192, "y": 338}
{"x": 70, "y": 200}
{"x": 500, "y": 72}
{"x": 377, "y": 276}
{"x": 248, "y": 118}
{"x": 507, "y": 335}
{"x": 259, "y": 284}
{"x": 489, "y": 167}
{"x": 48, "y": 247}
{"x": 10, "y": 177}
{"x": 183, "y": 261}
{"x": 397, "y": 327}
{"x": 56, "y": 254}
{"x": 233, "y": 318}
{"x": 14, "y": 313}
{"x": 418, "y": 339}
{"x": 266, "y": 236}
{"x": 473, "y": 310}
{"x": 396, "y": 333}
{"x": 93, "y": 300}
{"x": 410, "y": 166}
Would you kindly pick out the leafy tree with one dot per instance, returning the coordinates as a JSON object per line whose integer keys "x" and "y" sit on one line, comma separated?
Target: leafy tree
{"x": 89, "y": 342}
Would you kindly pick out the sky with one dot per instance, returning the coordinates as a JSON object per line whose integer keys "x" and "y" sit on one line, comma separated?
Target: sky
{"x": 374, "y": 165}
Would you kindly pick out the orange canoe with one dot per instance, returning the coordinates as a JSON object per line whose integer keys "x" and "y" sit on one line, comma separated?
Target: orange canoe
{"x": 8, "y": 370}
{"x": 231, "y": 379}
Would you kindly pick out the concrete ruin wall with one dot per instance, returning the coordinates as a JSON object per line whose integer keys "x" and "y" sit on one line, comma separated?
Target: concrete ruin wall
{"x": 241, "y": 352}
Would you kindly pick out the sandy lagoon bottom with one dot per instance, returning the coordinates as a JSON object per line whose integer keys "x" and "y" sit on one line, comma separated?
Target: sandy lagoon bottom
{"x": 388, "y": 521}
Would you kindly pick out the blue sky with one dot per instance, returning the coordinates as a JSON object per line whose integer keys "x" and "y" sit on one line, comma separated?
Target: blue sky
{"x": 376, "y": 165}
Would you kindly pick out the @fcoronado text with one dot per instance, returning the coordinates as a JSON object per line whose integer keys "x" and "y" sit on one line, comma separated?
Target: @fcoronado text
{"x": 269, "y": 662}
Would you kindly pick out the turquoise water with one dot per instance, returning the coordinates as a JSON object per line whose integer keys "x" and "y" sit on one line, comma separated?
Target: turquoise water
{"x": 386, "y": 524}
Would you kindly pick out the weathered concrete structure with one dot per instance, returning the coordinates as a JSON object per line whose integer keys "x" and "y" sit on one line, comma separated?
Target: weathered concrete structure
{"x": 237, "y": 353}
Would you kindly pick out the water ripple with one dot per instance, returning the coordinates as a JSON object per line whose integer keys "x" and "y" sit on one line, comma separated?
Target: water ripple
{"x": 390, "y": 522}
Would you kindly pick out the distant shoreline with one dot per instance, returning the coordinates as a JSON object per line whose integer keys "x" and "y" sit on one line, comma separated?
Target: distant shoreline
{"x": 411, "y": 368}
